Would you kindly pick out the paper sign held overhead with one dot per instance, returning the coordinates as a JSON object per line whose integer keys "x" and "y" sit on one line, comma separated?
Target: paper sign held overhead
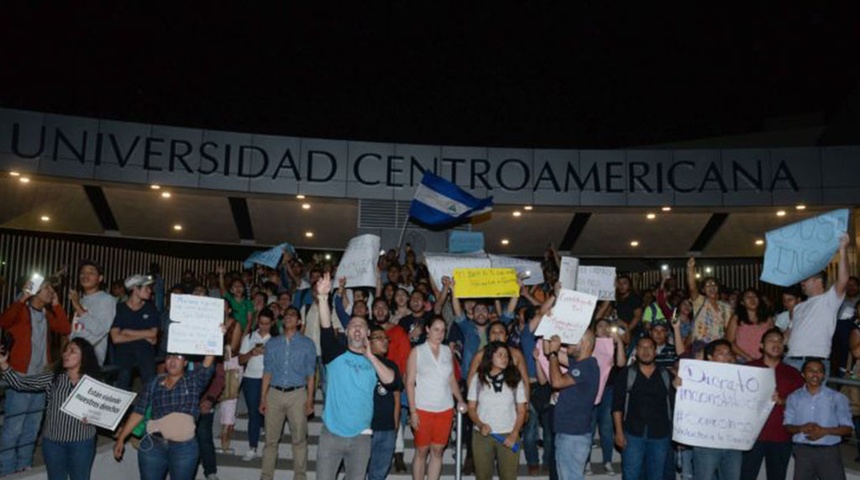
{"x": 796, "y": 252}
{"x": 270, "y": 257}
{"x": 486, "y": 282}
{"x": 569, "y": 318}
{"x": 442, "y": 264}
{"x": 598, "y": 281}
{"x": 195, "y": 325}
{"x": 529, "y": 270}
{"x": 358, "y": 264}
{"x": 568, "y": 272}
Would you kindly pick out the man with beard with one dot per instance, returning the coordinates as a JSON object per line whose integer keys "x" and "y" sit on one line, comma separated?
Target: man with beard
{"x": 642, "y": 412}
{"x": 418, "y": 317}
{"x": 351, "y": 379}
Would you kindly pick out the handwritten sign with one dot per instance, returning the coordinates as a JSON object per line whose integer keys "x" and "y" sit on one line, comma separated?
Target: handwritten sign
{"x": 567, "y": 272}
{"x": 101, "y": 404}
{"x": 529, "y": 270}
{"x": 599, "y": 281}
{"x": 442, "y": 264}
{"x": 358, "y": 264}
{"x": 721, "y": 405}
{"x": 570, "y": 317}
{"x": 485, "y": 282}
{"x": 195, "y": 325}
{"x": 465, "y": 242}
{"x": 270, "y": 257}
{"x": 798, "y": 251}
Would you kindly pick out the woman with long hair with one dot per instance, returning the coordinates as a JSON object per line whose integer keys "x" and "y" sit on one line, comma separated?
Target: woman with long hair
{"x": 68, "y": 444}
{"x": 497, "y": 407}
{"x": 747, "y": 326}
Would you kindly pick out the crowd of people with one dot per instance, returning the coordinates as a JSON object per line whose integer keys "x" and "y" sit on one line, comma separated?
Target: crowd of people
{"x": 410, "y": 354}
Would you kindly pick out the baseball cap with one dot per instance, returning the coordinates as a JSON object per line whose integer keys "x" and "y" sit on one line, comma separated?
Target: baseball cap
{"x": 138, "y": 281}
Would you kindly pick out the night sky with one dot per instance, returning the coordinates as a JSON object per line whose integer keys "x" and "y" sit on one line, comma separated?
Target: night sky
{"x": 593, "y": 74}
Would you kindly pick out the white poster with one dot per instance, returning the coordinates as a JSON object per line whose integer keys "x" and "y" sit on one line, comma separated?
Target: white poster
{"x": 567, "y": 272}
{"x": 102, "y": 405}
{"x": 599, "y": 281}
{"x": 569, "y": 318}
{"x": 529, "y": 270}
{"x": 358, "y": 264}
{"x": 721, "y": 405}
{"x": 195, "y": 325}
{"x": 442, "y": 264}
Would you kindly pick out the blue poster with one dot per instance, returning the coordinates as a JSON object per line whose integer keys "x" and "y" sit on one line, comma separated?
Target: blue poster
{"x": 270, "y": 257}
{"x": 798, "y": 251}
{"x": 465, "y": 242}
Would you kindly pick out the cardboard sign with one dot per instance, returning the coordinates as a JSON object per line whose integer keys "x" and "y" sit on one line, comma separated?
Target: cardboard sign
{"x": 721, "y": 405}
{"x": 567, "y": 273}
{"x": 101, "y": 404}
{"x": 569, "y": 318}
{"x": 486, "y": 282}
{"x": 358, "y": 264}
{"x": 195, "y": 325}
{"x": 529, "y": 270}
{"x": 598, "y": 281}
{"x": 798, "y": 251}
{"x": 465, "y": 242}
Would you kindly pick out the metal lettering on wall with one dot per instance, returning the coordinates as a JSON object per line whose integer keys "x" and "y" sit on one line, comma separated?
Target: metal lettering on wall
{"x": 87, "y": 148}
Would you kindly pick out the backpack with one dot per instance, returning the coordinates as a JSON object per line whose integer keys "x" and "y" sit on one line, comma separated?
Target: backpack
{"x": 632, "y": 373}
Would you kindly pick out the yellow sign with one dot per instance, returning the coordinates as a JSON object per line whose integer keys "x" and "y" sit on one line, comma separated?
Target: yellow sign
{"x": 485, "y": 282}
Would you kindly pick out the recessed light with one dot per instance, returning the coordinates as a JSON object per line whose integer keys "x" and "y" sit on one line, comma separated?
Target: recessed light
{"x": 666, "y": 209}
{"x": 634, "y": 243}
{"x": 800, "y": 207}
{"x": 708, "y": 269}
{"x": 177, "y": 227}
{"x": 759, "y": 242}
{"x": 165, "y": 194}
{"x": 306, "y": 206}
{"x": 15, "y": 174}
{"x": 328, "y": 256}
{"x": 651, "y": 216}
{"x": 24, "y": 179}
{"x": 698, "y": 275}
{"x": 517, "y": 213}
{"x": 309, "y": 234}
{"x": 780, "y": 213}
{"x": 528, "y": 207}
{"x": 155, "y": 187}
{"x": 45, "y": 218}
{"x": 300, "y": 197}
{"x": 505, "y": 241}
{"x": 664, "y": 267}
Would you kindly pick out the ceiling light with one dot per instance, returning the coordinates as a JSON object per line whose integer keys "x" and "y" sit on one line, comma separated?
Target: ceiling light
{"x": 155, "y": 187}
{"x": 651, "y": 216}
{"x": 634, "y": 243}
{"x": 306, "y": 206}
{"x": 309, "y": 234}
{"x": 708, "y": 269}
{"x": 759, "y": 242}
{"x": 800, "y": 207}
{"x": 505, "y": 241}
{"x": 664, "y": 267}
{"x": 328, "y": 256}
{"x": 666, "y": 209}
{"x": 780, "y": 213}
{"x": 165, "y": 194}
{"x": 177, "y": 227}
{"x": 517, "y": 213}
{"x": 300, "y": 197}
{"x": 15, "y": 174}
{"x": 698, "y": 275}
{"x": 527, "y": 207}
{"x": 45, "y": 218}
{"x": 24, "y": 179}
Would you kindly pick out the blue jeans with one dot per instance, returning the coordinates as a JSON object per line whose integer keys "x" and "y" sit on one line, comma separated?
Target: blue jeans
{"x": 643, "y": 452}
{"x": 157, "y": 456}
{"x": 21, "y": 422}
{"x": 571, "y": 453}
{"x": 602, "y": 420}
{"x": 530, "y": 437}
{"x": 252, "y": 388}
{"x": 546, "y": 421}
{"x": 69, "y": 460}
{"x": 206, "y": 443}
{"x": 776, "y": 456}
{"x": 381, "y": 452}
{"x": 716, "y": 463}
{"x": 125, "y": 375}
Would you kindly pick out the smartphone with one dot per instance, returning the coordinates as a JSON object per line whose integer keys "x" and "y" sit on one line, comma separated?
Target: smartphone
{"x": 259, "y": 345}
{"x": 36, "y": 282}
{"x": 613, "y": 329}
{"x": 675, "y": 318}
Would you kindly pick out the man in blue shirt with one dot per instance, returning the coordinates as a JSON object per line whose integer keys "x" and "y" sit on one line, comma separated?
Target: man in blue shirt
{"x": 287, "y": 393}
{"x": 818, "y": 418}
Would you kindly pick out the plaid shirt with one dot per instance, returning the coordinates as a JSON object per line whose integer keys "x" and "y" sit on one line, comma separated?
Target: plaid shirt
{"x": 184, "y": 397}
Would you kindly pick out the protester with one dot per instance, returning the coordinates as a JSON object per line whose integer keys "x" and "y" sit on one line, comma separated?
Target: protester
{"x": 203, "y": 431}
{"x": 232, "y": 378}
{"x": 386, "y": 411}
{"x": 94, "y": 309}
{"x": 747, "y": 326}
{"x": 68, "y": 444}
{"x": 135, "y": 333}
{"x": 251, "y": 357}
{"x": 710, "y": 314}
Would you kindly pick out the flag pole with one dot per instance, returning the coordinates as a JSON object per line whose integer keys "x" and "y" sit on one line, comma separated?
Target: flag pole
{"x": 402, "y": 233}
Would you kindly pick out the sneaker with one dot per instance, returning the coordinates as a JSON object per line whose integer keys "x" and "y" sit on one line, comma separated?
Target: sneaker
{"x": 588, "y": 468}
{"x": 608, "y": 467}
{"x": 212, "y": 476}
{"x": 250, "y": 455}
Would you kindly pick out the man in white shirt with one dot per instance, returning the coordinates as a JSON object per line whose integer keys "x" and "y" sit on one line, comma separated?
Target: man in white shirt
{"x": 814, "y": 320}
{"x": 94, "y": 309}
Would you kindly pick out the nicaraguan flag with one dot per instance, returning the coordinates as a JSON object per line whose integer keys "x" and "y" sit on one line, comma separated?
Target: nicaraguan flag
{"x": 438, "y": 202}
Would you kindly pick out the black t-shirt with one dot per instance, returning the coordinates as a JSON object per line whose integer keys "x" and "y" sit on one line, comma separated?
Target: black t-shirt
{"x": 648, "y": 403}
{"x": 411, "y": 321}
{"x": 384, "y": 398}
{"x": 625, "y": 307}
{"x": 139, "y": 351}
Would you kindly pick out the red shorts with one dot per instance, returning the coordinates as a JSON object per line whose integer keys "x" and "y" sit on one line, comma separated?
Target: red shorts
{"x": 434, "y": 428}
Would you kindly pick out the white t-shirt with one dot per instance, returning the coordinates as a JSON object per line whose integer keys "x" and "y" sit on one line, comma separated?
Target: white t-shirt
{"x": 497, "y": 409}
{"x": 432, "y": 385}
{"x": 813, "y": 324}
{"x": 254, "y": 367}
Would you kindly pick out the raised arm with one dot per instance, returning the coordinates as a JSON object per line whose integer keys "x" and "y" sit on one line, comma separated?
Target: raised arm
{"x": 323, "y": 288}
{"x": 441, "y": 295}
{"x": 842, "y": 275}
{"x": 557, "y": 379}
{"x": 222, "y": 285}
{"x": 691, "y": 279}
{"x": 455, "y": 302}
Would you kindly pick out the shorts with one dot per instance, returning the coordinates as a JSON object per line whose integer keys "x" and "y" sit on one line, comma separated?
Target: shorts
{"x": 228, "y": 411}
{"x": 434, "y": 428}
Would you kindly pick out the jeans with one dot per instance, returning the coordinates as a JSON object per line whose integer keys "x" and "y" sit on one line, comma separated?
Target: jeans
{"x": 716, "y": 463}
{"x": 157, "y": 456}
{"x": 206, "y": 443}
{"x": 530, "y": 437}
{"x": 252, "y": 389}
{"x": 644, "y": 453}
{"x": 69, "y": 460}
{"x": 354, "y": 452}
{"x": 381, "y": 452}
{"x": 686, "y": 454}
{"x": 571, "y": 453}
{"x": 125, "y": 374}
{"x": 21, "y": 422}
{"x": 546, "y": 421}
{"x": 776, "y": 456}
{"x": 602, "y": 421}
